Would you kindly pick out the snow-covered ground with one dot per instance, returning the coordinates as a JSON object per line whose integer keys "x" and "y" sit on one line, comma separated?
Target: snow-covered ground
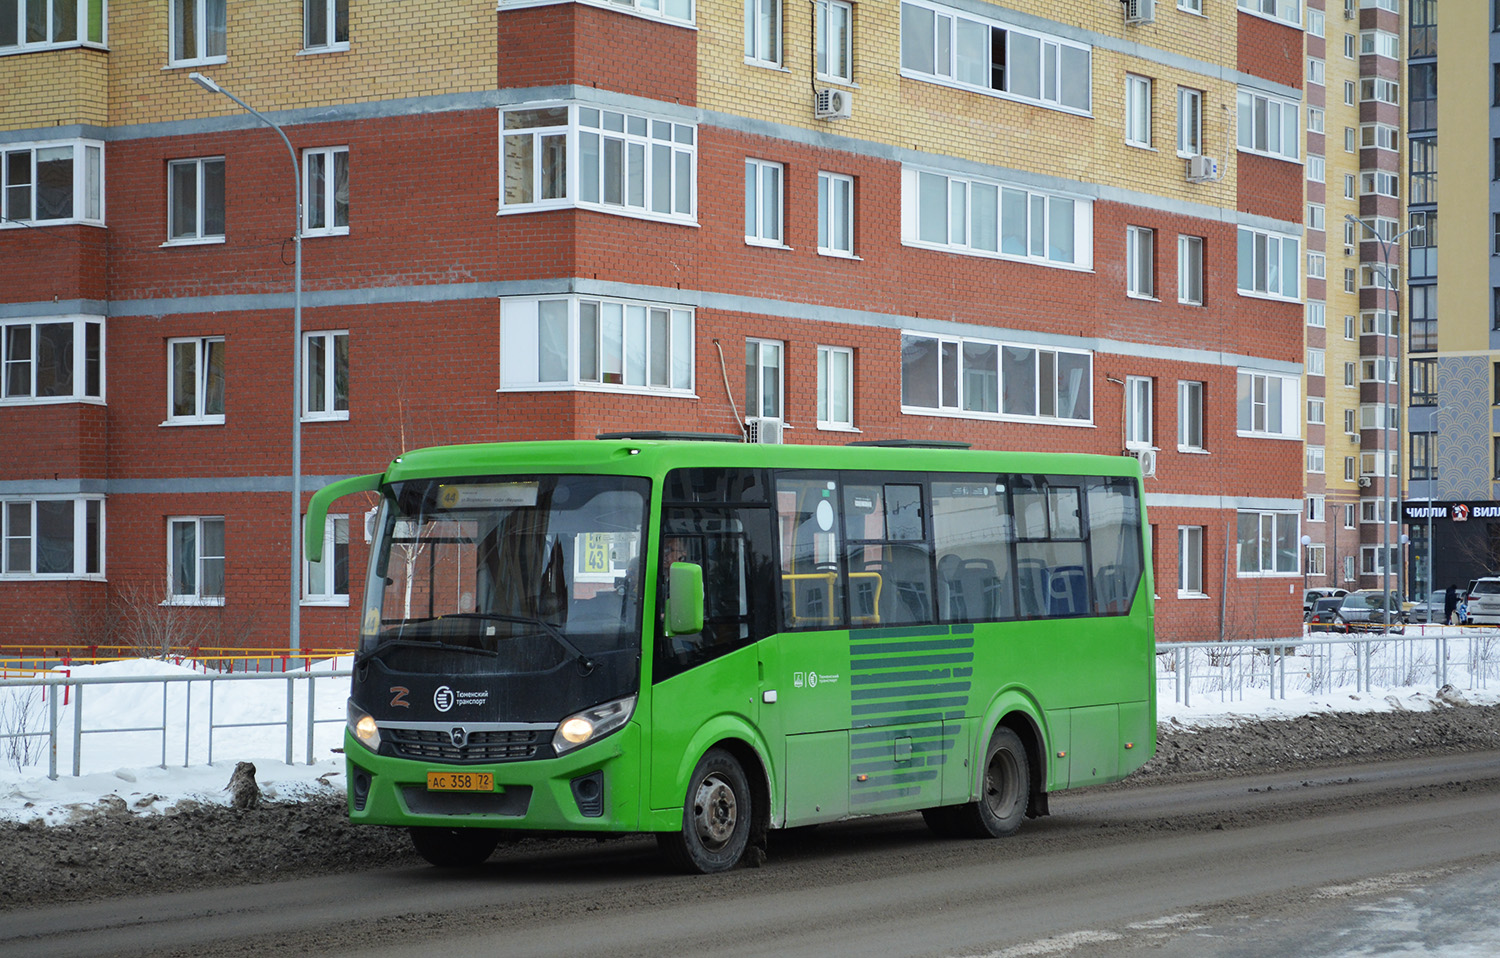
{"x": 127, "y": 765}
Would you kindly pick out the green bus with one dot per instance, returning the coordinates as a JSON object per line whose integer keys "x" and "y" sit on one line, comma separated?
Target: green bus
{"x": 709, "y": 640}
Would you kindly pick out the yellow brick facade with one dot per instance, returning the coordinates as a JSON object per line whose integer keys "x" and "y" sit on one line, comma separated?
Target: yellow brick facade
{"x": 395, "y": 51}
{"x": 946, "y": 121}
{"x": 54, "y": 88}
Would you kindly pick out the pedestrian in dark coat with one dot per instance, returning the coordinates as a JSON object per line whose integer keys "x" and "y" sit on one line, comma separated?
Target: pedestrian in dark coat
{"x": 1450, "y": 605}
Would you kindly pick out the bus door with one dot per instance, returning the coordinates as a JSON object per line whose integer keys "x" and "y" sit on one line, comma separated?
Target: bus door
{"x": 719, "y": 519}
{"x": 805, "y": 664}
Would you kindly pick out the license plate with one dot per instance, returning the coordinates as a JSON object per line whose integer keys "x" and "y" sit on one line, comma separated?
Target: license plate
{"x": 460, "y": 782}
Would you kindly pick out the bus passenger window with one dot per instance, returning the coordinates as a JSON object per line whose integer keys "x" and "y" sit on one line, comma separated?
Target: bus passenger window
{"x": 888, "y": 561}
{"x": 972, "y": 533}
{"x": 811, "y": 584}
{"x": 1051, "y": 557}
{"x": 1114, "y": 544}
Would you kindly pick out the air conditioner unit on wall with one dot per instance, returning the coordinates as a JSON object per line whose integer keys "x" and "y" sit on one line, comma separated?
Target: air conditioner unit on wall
{"x": 831, "y": 104}
{"x": 1140, "y": 11}
{"x": 763, "y": 430}
{"x": 1364, "y": 481}
{"x": 1202, "y": 168}
{"x": 1147, "y": 459}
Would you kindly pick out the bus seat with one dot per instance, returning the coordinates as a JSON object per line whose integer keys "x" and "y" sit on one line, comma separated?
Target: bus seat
{"x": 1032, "y": 578}
{"x": 1068, "y": 591}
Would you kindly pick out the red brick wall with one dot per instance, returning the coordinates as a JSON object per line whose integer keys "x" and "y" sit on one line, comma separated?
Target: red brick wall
{"x": 578, "y": 44}
{"x": 1270, "y": 50}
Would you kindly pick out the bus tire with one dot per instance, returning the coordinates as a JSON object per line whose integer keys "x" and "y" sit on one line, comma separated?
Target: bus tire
{"x": 1004, "y": 789}
{"x": 454, "y": 847}
{"x": 717, "y": 814}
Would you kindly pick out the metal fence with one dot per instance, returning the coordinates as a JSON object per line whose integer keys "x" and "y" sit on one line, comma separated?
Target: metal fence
{"x": 1187, "y": 673}
{"x": 188, "y": 717}
{"x": 1195, "y": 673}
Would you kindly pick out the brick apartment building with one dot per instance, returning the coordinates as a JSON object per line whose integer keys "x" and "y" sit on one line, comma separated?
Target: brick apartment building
{"x": 1020, "y": 225}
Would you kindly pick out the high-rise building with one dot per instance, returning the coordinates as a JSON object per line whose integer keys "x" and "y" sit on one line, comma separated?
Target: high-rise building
{"x": 1355, "y": 219}
{"x": 1023, "y": 225}
{"x": 1455, "y": 306}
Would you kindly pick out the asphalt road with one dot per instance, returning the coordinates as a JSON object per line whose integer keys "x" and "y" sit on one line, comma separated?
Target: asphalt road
{"x": 1307, "y": 863}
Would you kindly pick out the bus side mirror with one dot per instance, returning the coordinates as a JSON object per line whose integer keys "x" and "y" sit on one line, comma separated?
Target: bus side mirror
{"x": 684, "y": 598}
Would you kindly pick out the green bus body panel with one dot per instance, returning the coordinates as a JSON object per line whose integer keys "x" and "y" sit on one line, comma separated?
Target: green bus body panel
{"x": 862, "y": 721}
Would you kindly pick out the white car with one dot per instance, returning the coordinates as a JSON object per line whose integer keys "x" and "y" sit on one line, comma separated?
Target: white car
{"x": 1484, "y": 601}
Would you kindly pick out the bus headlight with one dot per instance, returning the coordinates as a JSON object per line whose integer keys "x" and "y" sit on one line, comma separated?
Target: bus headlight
{"x": 362, "y": 726}
{"x": 592, "y": 724}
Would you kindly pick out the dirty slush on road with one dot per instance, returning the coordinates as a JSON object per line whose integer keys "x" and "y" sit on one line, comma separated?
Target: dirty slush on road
{"x": 113, "y": 852}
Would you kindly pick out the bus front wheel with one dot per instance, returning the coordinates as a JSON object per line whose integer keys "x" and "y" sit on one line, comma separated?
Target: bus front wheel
{"x": 454, "y": 847}
{"x": 1004, "y": 788}
{"x": 716, "y": 817}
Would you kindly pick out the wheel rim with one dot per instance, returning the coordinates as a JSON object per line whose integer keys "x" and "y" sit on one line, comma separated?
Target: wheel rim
{"x": 715, "y": 812}
{"x": 1002, "y": 784}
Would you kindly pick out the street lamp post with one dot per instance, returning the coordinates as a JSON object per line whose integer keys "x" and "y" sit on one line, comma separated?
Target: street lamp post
{"x": 294, "y": 637}
{"x": 1385, "y": 486}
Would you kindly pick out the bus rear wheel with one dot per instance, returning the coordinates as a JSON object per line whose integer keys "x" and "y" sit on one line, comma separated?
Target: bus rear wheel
{"x": 716, "y": 817}
{"x": 1004, "y": 789}
{"x": 454, "y": 847}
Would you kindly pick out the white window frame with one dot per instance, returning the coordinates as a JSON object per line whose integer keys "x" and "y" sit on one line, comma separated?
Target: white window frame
{"x": 1315, "y": 119}
{"x": 1317, "y": 71}
{"x": 1316, "y": 23}
{"x": 329, "y": 216}
{"x": 1379, "y": 136}
{"x": 1282, "y": 11}
{"x": 320, "y": 585}
{"x": 1268, "y": 405}
{"x": 951, "y": 385}
{"x": 1138, "y": 96}
{"x": 1316, "y": 462}
{"x": 599, "y": 151}
{"x": 1314, "y": 361}
{"x": 1190, "y": 562}
{"x": 1270, "y": 528}
{"x": 203, "y": 38}
{"x": 1379, "y": 183}
{"x": 835, "y": 214}
{"x": 1190, "y": 416}
{"x": 1264, "y": 259}
{"x": 1191, "y": 6}
{"x": 763, "y": 36}
{"x": 1317, "y": 168}
{"x": 1317, "y": 314}
{"x": 1139, "y": 430}
{"x": 1379, "y": 90}
{"x": 328, "y": 15}
{"x": 1315, "y": 508}
{"x": 1063, "y": 75}
{"x": 763, "y": 357}
{"x": 203, "y": 386}
{"x": 590, "y": 343}
{"x": 1316, "y": 410}
{"x": 1380, "y": 43}
{"x": 21, "y": 347}
{"x": 1317, "y": 559}
{"x": 835, "y": 40}
{"x": 57, "y": 34}
{"x": 1140, "y": 262}
{"x": 201, "y": 561}
{"x": 1190, "y": 272}
{"x": 1369, "y": 559}
{"x": 836, "y": 388}
{"x": 1317, "y": 265}
{"x": 19, "y": 200}
{"x": 1268, "y": 125}
{"x": 971, "y": 206}
{"x": 20, "y": 538}
{"x": 765, "y": 203}
{"x": 334, "y": 342}
{"x": 1317, "y": 217}
{"x": 1189, "y": 122}
{"x": 200, "y": 167}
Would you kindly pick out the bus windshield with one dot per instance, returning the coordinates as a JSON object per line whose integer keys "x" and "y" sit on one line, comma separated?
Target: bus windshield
{"x": 513, "y": 574}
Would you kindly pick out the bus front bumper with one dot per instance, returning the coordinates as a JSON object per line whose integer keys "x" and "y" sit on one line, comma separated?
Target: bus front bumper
{"x": 594, "y": 788}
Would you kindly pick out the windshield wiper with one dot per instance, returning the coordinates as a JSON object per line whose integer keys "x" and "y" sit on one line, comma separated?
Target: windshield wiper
{"x": 551, "y": 631}
{"x": 385, "y": 644}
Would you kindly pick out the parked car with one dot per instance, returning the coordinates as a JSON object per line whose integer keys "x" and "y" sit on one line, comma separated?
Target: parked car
{"x": 1324, "y": 616}
{"x": 1370, "y": 610}
{"x": 1428, "y": 609}
{"x": 1484, "y": 601}
{"x": 1311, "y": 596}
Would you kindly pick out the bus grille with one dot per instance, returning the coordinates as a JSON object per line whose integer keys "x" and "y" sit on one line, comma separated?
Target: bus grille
{"x": 480, "y": 746}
